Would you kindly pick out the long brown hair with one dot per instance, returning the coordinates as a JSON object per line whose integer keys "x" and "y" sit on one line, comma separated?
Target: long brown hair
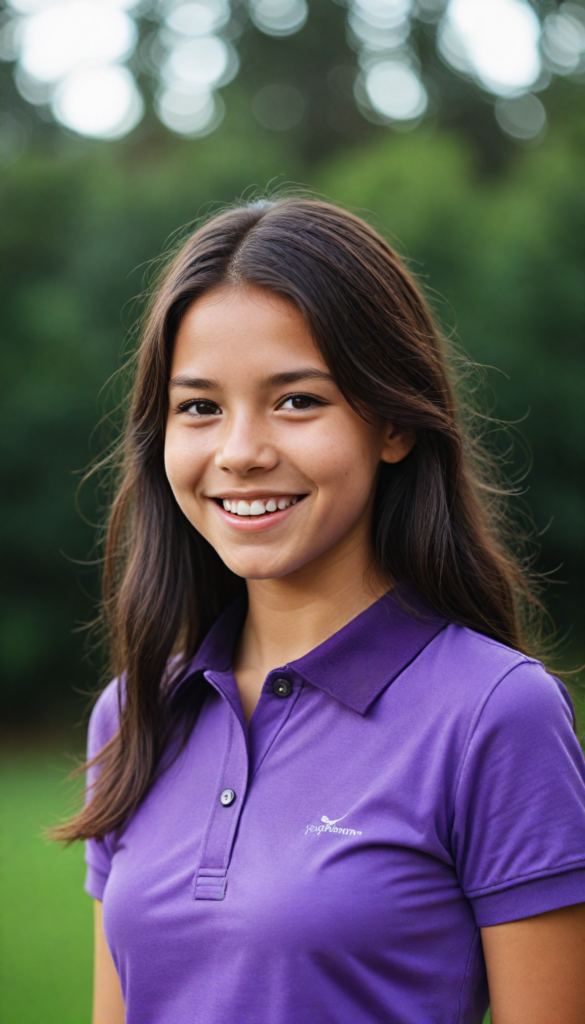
{"x": 436, "y": 523}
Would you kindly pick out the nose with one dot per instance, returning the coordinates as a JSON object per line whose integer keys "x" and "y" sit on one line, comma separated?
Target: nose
{"x": 245, "y": 446}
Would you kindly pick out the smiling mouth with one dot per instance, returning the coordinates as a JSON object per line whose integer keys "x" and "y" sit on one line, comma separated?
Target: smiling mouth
{"x": 259, "y": 506}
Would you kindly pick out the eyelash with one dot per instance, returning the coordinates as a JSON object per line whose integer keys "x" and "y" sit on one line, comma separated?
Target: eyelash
{"x": 189, "y": 407}
{"x": 301, "y": 394}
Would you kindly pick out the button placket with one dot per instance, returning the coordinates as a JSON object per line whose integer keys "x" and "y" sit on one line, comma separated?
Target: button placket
{"x": 271, "y": 715}
{"x": 211, "y": 878}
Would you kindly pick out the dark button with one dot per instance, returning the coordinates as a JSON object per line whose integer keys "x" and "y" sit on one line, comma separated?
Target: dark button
{"x": 227, "y": 797}
{"x": 282, "y": 687}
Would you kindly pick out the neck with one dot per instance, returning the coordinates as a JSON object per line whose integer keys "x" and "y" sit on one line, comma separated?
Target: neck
{"x": 288, "y": 617}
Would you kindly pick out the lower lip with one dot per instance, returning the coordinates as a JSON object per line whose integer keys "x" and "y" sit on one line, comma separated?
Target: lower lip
{"x": 254, "y": 524}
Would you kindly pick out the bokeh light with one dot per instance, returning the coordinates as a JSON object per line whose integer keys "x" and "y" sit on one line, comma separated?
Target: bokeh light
{"x": 32, "y": 89}
{"x": 497, "y": 41}
{"x": 395, "y": 90}
{"x": 563, "y": 39}
{"x": 60, "y": 46}
{"x": 102, "y": 102}
{"x": 69, "y": 57}
{"x": 33, "y": 6}
{"x": 190, "y": 113}
{"x": 379, "y": 24}
{"x": 198, "y": 19}
{"x": 198, "y": 62}
{"x": 279, "y": 17}
{"x": 522, "y": 117}
{"x": 57, "y": 40}
{"x": 389, "y": 88}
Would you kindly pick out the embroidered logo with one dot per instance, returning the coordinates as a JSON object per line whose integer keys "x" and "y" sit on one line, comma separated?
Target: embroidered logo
{"x": 329, "y": 825}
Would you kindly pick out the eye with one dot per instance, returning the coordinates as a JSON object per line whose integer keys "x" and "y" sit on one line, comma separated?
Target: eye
{"x": 200, "y": 407}
{"x": 300, "y": 402}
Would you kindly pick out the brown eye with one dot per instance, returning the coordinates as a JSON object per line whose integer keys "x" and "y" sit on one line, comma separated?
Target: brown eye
{"x": 201, "y": 407}
{"x": 301, "y": 402}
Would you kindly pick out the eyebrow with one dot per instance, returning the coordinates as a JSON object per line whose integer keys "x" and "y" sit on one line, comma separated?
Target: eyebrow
{"x": 293, "y": 376}
{"x": 199, "y": 383}
{"x": 275, "y": 380}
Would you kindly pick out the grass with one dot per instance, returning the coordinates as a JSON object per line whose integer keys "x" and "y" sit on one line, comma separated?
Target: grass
{"x": 46, "y": 918}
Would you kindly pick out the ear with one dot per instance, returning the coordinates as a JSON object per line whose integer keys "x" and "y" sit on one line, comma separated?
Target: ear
{"x": 396, "y": 444}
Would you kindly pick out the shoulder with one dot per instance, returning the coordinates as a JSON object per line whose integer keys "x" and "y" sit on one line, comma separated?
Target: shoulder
{"x": 104, "y": 719}
{"x": 463, "y": 682}
{"x": 482, "y": 670}
{"x": 514, "y": 711}
{"x": 475, "y": 656}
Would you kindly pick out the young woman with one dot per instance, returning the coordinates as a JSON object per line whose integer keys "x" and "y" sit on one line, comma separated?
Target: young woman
{"x": 331, "y": 784}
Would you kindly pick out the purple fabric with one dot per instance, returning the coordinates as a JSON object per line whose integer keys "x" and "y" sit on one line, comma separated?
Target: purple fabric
{"x": 419, "y": 782}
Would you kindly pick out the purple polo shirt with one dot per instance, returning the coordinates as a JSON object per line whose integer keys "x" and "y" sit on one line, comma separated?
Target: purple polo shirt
{"x": 398, "y": 788}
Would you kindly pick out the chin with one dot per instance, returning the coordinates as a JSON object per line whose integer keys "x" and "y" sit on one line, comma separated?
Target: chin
{"x": 265, "y": 569}
{"x": 256, "y": 572}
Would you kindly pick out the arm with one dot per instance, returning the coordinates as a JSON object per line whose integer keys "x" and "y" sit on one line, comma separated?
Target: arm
{"x": 108, "y": 1005}
{"x": 536, "y": 968}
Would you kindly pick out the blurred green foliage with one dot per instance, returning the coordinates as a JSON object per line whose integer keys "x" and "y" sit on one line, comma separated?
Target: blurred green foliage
{"x": 503, "y": 255}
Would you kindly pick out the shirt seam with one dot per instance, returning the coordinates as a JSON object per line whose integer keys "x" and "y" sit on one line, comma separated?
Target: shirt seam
{"x": 97, "y": 871}
{"x": 509, "y": 883}
{"x": 522, "y": 660}
{"x": 470, "y": 951}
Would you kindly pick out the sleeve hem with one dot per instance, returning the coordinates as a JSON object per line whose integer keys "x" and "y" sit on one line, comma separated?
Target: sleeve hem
{"x": 95, "y": 883}
{"x": 533, "y": 876}
{"x": 536, "y": 896}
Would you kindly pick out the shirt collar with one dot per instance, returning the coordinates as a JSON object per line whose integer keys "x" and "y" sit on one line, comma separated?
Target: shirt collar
{"x": 354, "y": 665}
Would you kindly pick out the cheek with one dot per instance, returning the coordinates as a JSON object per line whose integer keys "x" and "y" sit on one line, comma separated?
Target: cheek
{"x": 343, "y": 461}
{"x": 184, "y": 461}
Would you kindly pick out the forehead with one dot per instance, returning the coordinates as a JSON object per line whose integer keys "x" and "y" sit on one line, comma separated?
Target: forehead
{"x": 235, "y": 330}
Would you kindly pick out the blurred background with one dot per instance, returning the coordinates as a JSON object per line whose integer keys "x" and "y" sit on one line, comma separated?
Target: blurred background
{"x": 457, "y": 127}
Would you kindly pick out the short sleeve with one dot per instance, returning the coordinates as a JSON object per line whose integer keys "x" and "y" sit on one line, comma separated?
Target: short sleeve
{"x": 103, "y": 724}
{"x": 519, "y": 824}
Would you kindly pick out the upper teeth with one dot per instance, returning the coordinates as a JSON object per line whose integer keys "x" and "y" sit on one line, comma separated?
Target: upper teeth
{"x": 257, "y": 507}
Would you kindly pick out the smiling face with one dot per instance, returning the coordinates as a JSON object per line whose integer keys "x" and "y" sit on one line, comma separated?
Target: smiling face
{"x": 265, "y": 456}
